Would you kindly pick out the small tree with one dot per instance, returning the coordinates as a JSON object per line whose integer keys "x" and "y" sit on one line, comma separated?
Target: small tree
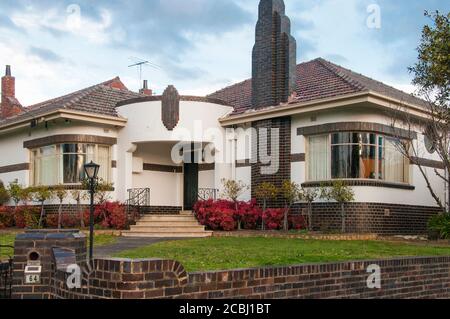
{"x": 15, "y": 190}
{"x": 4, "y": 195}
{"x": 265, "y": 192}
{"x": 340, "y": 193}
{"x": 309, "y": 195}
{"x": 41, "y": 194}
{"x": 232, "y": 190}
{"x": 77, "y": 195}
{"x": 290, "y": 192}
{"x": 102, "y": 190}
{"x": 60, "y": 193}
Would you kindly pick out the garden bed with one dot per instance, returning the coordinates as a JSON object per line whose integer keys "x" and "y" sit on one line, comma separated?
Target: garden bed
{"x": 295, "y": 234}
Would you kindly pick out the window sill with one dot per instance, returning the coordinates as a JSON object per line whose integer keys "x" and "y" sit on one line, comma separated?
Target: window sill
{"x": 363, "y": 183}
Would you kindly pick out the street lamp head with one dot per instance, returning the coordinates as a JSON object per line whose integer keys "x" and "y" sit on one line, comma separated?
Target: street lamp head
{"x": 91, "y": 170}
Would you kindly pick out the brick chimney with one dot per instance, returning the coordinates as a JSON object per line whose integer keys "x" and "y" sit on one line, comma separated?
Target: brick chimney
{"x": 145, "y": 90}
{"x": 10, "y": 106}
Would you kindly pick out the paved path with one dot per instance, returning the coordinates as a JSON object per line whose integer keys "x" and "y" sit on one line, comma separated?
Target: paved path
{"x": 126, "y": 243}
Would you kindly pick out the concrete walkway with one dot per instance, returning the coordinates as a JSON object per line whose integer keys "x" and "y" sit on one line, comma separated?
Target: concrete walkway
{"x": 127, "y": 243}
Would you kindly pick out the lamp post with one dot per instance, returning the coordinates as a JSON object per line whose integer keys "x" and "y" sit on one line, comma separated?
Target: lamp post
{"x": 91, "y": 171}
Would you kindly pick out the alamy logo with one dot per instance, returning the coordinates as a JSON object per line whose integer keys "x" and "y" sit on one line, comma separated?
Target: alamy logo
{"x": 374, "y": 18}
{"x": 74, "y": 272}
{"x": 374, "y": 280}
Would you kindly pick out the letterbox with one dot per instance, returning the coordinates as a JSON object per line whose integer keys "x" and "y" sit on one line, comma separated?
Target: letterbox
{"x": 33, "y": 269}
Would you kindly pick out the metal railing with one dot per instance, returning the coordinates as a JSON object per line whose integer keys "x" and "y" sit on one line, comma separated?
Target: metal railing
{"x": 207, "y": 193}
{"x": 138, "y": 197}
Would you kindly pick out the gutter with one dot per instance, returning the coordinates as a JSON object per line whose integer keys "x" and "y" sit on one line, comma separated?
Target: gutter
{"x": 66, "y": 114}
{"x": 323, "y": 104}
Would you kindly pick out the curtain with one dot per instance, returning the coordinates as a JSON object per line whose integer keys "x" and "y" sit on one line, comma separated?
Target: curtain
{"x": 318, "y": 158}
{"x": 394, "y": 164}
{"x": 104, "y": 162}
{"x": 48, "y": 162}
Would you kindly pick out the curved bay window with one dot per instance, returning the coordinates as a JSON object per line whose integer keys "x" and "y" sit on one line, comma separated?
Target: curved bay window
{"x": 351, "y": 155}
{"x": 64, "y": 163}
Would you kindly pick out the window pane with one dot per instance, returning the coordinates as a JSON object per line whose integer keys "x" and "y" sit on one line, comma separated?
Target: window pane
{"x": 46, "y": 163}
{"x": 74, "y": 148}
{"x": 318, "y": 155}
{"x": 367, "y": 138}
{"x": 104, "y": 162}
{"x": 368, "y": 162}
{"x": 345, "y": 161}
{"x": 394, "y": 164}
{"x": 73, "y": 167}
{"x": 345, "y": 138}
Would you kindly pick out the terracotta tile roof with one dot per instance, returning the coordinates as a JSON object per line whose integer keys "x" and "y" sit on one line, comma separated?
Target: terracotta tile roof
{"x": 98, "y": 99}
{"x": 316, "y": 79}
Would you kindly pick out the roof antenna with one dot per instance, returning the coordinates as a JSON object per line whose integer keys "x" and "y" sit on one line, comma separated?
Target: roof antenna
{"x": 140, "y": 63}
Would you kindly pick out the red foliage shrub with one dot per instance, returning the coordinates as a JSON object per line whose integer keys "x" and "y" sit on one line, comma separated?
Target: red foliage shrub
{"x": 216, "y": 215}
{"x": 67, "y": 220}
{"x": 27, "y": 217}
{"x": 6, "y": 217}
{"x": 297, "y": 222}
{"x": 109, "y": 215}
{"x": 222, "y": 215}
{"x": 273, "y": 219}
{"x": 250, "y": 214}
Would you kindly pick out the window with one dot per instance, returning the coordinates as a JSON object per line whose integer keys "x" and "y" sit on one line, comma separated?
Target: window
{"x": 355, "y": 156}
{"x": 64, "y": 163}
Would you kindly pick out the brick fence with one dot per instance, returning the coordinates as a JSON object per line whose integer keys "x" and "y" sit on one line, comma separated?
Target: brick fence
{"x": 149, "y": 279}
{"x": 425, "y": 277}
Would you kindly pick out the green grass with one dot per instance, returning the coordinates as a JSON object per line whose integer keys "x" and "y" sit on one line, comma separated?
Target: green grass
{"x": 8, "y": 240}
{"x": 233, "y": 253}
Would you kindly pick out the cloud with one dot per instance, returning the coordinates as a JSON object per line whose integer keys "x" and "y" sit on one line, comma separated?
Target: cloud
{"x": 201, "y": 45}
{"x": 44, "y": 54}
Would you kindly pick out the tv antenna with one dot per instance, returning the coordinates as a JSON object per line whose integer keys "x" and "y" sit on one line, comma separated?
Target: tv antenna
{"x": 140, "y": 63}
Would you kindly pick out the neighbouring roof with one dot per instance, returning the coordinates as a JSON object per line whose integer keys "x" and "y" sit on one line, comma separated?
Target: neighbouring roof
{"x": 316, "y": 80}
{"x": 99, "y": 99}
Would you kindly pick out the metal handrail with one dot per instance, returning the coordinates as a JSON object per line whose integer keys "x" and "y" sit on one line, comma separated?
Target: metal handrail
{"x": 207, "y": 194}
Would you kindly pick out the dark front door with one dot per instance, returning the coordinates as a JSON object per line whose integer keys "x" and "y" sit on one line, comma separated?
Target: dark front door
{"x": 190, "y": 185}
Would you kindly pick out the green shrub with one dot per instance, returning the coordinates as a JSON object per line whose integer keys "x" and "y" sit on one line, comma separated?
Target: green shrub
{"x": 4, "y": 195}
{"x": 440, "y": 225}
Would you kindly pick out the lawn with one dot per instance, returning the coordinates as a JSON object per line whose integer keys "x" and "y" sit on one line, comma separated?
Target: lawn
{"x": 8, "y": 240}
{"x": 233, "y": 253}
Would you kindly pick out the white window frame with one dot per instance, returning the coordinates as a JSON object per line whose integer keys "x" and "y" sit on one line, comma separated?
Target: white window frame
{"x": 407, "y": 171}
{"x": 60, "y": 161}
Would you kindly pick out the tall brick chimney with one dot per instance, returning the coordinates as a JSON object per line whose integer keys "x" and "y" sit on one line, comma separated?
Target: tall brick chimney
{"x": 145, "y": 90}
{"x": 10, "y": 106}
{"x": 274, "y": 56}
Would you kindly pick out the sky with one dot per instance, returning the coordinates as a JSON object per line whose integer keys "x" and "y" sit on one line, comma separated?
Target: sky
{"x": 200, "y": 46}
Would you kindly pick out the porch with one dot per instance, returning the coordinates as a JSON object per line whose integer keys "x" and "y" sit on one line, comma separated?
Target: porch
{"x": 167, "y": 179}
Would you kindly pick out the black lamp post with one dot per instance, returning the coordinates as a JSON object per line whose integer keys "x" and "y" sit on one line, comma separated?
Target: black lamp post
{"x": 91, "y": 171}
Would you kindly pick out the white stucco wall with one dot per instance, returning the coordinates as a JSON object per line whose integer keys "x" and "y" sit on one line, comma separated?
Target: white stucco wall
{"x": 198, "y": 123}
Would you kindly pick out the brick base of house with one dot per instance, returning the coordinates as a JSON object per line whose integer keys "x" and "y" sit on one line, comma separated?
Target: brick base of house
{"x": 374, "y": 218}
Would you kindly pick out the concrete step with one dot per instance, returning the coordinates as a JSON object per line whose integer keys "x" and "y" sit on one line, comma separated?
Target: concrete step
{"x": 174, "y": 223}
{"x": 203, "y": 234}
{"x": 167, "y": 218}
{"x": 177, "y": 229}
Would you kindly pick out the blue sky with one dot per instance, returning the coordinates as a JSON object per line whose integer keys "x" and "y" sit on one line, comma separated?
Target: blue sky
{"x": 56, "y": 47}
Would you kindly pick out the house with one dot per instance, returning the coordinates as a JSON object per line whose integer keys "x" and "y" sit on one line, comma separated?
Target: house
{"x": 311, "y": 123}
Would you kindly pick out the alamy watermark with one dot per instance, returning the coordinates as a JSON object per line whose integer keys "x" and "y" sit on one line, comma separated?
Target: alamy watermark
{"x": 374, "y": 19}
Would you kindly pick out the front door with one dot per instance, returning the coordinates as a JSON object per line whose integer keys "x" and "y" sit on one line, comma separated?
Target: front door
{"x": 190, "y": 185}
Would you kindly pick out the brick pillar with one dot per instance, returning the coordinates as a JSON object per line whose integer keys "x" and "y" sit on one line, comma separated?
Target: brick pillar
{"x": 39, "y": 243}
{"x": 283, "y": 143}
